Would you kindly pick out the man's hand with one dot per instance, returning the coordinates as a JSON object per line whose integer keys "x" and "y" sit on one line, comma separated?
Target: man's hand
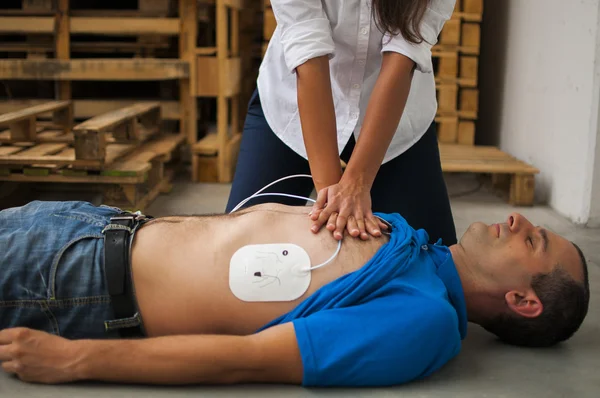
{"x": 346, "y": 205}
{"x": 38, "y": 357}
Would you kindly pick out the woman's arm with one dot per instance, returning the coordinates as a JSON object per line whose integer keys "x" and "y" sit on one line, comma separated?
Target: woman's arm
{"x": 349, "y": 203}
{"x": 381, "y": 119}
{"x": 317, "y": 118}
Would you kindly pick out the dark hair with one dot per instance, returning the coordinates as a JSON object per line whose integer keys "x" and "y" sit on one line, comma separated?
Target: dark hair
{"x": 401, "y": 16}
{"x": 565, "y": 302}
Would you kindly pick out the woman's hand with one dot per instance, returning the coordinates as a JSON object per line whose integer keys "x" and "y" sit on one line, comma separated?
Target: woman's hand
{"x": 346, "y": 205}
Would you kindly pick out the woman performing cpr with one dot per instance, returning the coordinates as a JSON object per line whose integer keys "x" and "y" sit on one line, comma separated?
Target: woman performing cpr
{"x": 350, "y": 79}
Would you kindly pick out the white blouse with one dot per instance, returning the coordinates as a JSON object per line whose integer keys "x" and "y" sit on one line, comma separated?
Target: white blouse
{"x": 346, "y": 31}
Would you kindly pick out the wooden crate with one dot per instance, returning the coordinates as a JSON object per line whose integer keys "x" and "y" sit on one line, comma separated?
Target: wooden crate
{"x": 516, "y": 177}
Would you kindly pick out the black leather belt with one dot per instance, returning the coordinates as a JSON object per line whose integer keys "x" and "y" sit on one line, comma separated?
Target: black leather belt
{"x": 117, "y": 267}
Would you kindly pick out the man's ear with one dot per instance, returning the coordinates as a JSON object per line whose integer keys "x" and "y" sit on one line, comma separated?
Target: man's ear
{"x": 525, "y": 303}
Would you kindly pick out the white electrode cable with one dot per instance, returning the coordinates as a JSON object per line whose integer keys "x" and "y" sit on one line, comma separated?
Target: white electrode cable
{"x": 258, "y": 193}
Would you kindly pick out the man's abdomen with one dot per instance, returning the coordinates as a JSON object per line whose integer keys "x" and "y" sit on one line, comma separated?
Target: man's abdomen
{"x": 181, "y": 268}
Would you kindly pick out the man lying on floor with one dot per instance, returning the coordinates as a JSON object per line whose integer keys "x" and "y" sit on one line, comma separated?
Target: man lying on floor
{"x": 216, "y": 302}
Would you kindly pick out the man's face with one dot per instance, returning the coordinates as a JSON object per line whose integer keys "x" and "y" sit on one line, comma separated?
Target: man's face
{"x": 512, "y": 252}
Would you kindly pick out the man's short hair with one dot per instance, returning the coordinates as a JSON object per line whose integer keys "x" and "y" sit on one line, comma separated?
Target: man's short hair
{"x": 565, "y": 304}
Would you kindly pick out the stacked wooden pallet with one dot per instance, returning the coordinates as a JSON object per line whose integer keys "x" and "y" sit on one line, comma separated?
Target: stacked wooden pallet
{"x": 219, "y": 77}
{"x": 455, "y": 59}
{"x": 101, "y": 55}
{"x": 123, "y": 154}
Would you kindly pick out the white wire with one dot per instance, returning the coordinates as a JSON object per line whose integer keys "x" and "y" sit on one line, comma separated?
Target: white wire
{"x": 267, "y": 186}
{"x": 258, "y": 193}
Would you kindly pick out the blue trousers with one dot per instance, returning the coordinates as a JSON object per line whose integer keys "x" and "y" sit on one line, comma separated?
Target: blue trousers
{"x": 412, "y": 184}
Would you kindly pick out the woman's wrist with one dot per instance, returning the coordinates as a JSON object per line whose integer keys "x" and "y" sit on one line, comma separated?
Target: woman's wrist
{"x": 358, "y": 177}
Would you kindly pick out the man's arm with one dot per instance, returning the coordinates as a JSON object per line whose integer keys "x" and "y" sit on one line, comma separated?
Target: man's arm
{"x": 271, "y": 356}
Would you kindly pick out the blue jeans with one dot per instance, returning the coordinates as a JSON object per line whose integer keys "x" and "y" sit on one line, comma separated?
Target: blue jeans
{"x": 412, "y": 184}
{"x": 52, "y": 269}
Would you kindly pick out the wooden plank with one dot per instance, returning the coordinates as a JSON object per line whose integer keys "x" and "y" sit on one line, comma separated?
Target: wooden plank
{"x": 447, "y": 129}
{"x": 471, "y": 35}
{"x": 164, "y": 146}
{"x": 210, "y": 72}
{"x": 9, "y": 150}
{"x": 235, "y": 4}
{"x": 91, "y": 108}
{"x": 469, "y": 68}
{"x": 125, "y": 26}
{"x": 26, "y": 25}
{"x": 451, "y": 32}
{"x": 73, "y": 179}
{"x": 36, "y": 110}
{"x": 466, "y": 133}
{"x": 447, "y": 67}
{"x": 94, "y": 69}
{"x": 447, "y": 98}
{"x": 107, "y": 121}
{"x": 207, "y": 146}
{"x": 87, "y": 47}
{"x": 469, "y": 101}
{"x": 472, "y": 6}
{"x": 25, "y": 12}
{"x": 205, "y": 51}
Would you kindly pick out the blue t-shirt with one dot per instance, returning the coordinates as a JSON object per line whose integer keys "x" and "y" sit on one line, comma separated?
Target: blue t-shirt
{"x": 400, "y": 317}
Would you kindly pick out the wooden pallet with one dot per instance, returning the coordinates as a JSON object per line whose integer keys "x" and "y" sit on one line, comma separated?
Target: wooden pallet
{"x": 516, "y": 177}
{"x": 93, "y": 144}
{"x": 130, "y": 183}
{"x": 41, "y": 29}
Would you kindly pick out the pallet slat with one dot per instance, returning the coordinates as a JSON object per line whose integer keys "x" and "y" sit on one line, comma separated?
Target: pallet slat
{"x": 94, "y": 69}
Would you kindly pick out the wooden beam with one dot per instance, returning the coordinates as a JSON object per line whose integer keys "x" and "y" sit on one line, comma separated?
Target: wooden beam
{"x": 222, "y": 103}
{"x": 22, "y": 123}
{"x": 107, "y": 121}
{"x": 26, "y": 25}
{"x": 63, "y": 49}
{"x": 235, "y": 4}
{"x": 94, "y": 69}
{"x": 34, "y": 111}
{"x": 84, "y": 109}
{"x": 188, "y": 14}
{"x": 124, "y": 26}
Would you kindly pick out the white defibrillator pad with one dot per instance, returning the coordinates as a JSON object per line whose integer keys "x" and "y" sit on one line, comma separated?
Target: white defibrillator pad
{"x": 269, "y": 272}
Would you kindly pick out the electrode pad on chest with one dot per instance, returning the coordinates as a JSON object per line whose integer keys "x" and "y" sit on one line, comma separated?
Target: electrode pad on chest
{"x": 269, "y": 272}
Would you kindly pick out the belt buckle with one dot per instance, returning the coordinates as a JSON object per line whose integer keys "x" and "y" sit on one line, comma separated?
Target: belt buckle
{"x": 137, "y": 216}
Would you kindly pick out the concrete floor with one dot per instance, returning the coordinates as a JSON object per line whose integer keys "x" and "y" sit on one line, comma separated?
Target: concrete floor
{"x": 485, "y": 368}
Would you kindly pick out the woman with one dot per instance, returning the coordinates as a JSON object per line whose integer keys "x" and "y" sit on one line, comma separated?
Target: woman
{"x": 350, "y": 79}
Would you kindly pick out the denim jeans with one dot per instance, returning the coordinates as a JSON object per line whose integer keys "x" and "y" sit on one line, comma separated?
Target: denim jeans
{"x": 52, "y": 269}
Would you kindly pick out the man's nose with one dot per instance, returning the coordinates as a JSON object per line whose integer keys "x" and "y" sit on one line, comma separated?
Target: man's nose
{"x": 517, "y": 222}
